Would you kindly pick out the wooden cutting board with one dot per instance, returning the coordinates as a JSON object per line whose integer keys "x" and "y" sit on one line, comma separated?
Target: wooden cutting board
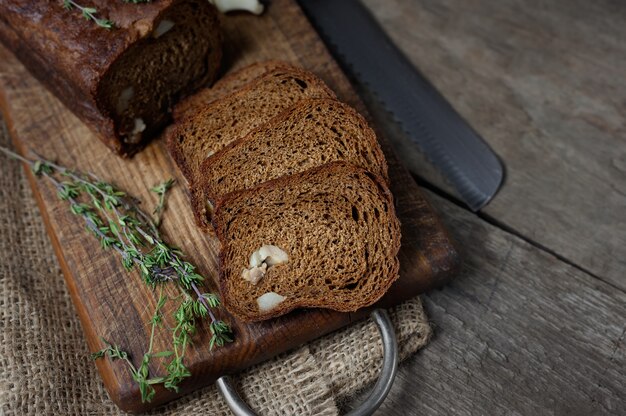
{"x": 116, "y": 305}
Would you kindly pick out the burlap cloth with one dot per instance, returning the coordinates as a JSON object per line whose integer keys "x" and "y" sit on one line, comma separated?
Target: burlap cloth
{"x": 44, "y": 362}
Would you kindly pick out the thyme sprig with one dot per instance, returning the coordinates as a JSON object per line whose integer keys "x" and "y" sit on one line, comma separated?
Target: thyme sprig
{"x": 119, "y": 224}
{"x": 161, "y": 190}
{"x": 88, "y": 13}
{"x": 140, "y": 374}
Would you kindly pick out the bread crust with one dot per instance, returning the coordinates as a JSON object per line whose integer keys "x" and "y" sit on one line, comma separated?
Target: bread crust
{"x": 226, "y": 85}
{"x": 209, "y": 194}
{"x": 289, "y": 305}
{"x": 71, "y": 55}
{"x": 175, "y": 148}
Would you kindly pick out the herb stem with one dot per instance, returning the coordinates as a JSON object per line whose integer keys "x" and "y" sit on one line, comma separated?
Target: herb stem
{"x": 88, "y": 13}
{"x": 66, "y": 172}
{"x": 204, "y": 302}
{"x": 17, "y": 156}
{"x": 143, "y": 233}
{"x": 156, "y": 318}
{"x": 90, "y": 224}
{"x": 116, "y": 220}
{"x": 161, "y": 190}
{"x": 77, "y": 178}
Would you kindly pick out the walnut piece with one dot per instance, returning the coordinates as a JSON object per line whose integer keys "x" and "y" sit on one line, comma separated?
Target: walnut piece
{"x": 209, "y": 208}
{"x": 254, "y": 274}
{"x": 269, "y": 254}
{"x": 269, "y": 301}
{"x": 135, "y": 135}
{"x": 252, "y": 6}
{"x": 123, "y": 101}
{"x": 260, "y": 260}
{"x": 163, "y": 27}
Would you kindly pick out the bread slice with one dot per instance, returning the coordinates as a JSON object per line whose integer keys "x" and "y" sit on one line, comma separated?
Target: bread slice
{"x": 208, "y": 130}
{"x": 336, "y": 224}
{"x": 226, "y": 85}
{"x": 309, "y": 134}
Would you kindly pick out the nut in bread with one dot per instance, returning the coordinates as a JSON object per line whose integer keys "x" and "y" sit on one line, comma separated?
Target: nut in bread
{"x": 338, "y": 225}
{"x": 260, "y": 260}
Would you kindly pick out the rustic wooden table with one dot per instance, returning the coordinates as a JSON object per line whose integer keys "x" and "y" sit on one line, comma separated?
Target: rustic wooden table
{"x": 535, "y": 323}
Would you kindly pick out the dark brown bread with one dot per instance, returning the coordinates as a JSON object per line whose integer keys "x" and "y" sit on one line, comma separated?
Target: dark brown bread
{"x": 336, "y": 223}
{"x": 226, "y": 85}
{"x": 207, "y": 131}
{"x": 121, "y": 82}
{"x": 309, "y": 134}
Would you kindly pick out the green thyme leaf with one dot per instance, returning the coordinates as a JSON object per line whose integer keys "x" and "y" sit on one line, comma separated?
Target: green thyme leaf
{"x": 88, "y": 13}
{"x": 118, "y": 223}
{"x": 161, "y": 190}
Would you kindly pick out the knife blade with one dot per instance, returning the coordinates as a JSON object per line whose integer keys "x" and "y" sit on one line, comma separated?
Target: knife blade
{"x": 446, "y": 139}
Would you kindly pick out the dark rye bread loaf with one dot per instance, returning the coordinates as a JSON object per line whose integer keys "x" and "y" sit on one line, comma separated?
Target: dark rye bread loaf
{"x": 121, "y": 82}
{"x": 208, "y": 130}
{"x": 309, "y": 134}
{"x": 226, "y": 85}
{"x": 335, "y": 223}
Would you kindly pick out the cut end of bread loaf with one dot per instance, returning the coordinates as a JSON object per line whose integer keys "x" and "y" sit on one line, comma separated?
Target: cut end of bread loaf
{"x": 336, "y": 225}
{"x": 210, "y": 129}
{"x": 309, "y": 134}
{"x": 180, "y": 52}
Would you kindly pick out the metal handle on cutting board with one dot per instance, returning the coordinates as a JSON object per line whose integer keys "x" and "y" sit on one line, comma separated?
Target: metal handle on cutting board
{"x": 376, "y": 396}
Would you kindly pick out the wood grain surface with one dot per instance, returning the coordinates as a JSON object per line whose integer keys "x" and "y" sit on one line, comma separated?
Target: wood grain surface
{"x": 535, "y": 322}
{"x": 117, "y": 306}
{"x": 543, "y": 83}
{"x": 518, "y": 332}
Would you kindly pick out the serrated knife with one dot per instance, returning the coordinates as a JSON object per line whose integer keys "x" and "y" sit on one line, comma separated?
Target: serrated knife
{"x": 361, "y": 46}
